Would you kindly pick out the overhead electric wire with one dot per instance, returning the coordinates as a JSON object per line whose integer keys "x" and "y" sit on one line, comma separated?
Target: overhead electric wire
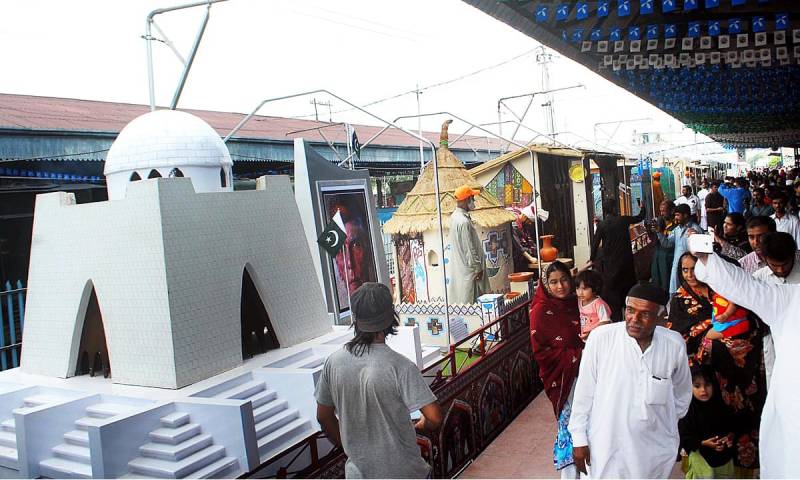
{"x": 435, "y": 85}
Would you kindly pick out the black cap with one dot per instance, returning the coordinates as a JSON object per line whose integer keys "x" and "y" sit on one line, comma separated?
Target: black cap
{"x": 649, "y": 292}
{"x": 372, "y": 307}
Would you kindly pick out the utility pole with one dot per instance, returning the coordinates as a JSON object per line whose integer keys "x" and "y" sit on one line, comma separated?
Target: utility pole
{"x": 419, "y": 127}
{"x": 316, "y": 103}
{"x": 544, "y": 59}
{"x": 316, "y": 113}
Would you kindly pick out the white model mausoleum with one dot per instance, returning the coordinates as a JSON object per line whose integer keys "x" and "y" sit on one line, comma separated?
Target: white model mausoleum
{"x": 195, "y": 308}
{"x": 168, "y": 264}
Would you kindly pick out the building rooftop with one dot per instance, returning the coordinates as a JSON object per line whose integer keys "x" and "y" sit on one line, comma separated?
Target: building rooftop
{"x": 28, "y": 112}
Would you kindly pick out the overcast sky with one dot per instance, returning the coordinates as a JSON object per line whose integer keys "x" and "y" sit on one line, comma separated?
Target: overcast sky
{"x": 361, "y": 50}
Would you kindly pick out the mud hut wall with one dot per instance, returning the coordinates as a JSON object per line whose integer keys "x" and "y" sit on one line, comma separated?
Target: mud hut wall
{"x": 570, "y": 219}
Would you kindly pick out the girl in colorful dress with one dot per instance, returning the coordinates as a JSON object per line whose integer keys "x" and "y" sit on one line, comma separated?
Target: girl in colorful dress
{"x": 593, "y": 310}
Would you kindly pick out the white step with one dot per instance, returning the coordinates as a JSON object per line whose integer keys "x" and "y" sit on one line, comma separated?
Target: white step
{"x": 175, "y": 436}
{"x": 262, "y": 397}
{"x": 175, "y": 419}
{"x": 269, "y": 409}
{"x": 62, "y": 468}
{"x": 39, "y": 400}
{"x": 84, "y": 423}
{"x": 265, "y": 427}
{"x": 222, "y": 468}
{"x": 8, "y": 425}
{"x": 177, "y": 452}
{"x": 77, "y": 437}
{"x": 279, "y": 438}
{"x": 307, "y": 362}
{"x": 107, "y": 410}
{"x": 183, "y": 468}
{"x": 75, "y": 453}
{"x": 243, "y": 390}
{"x": 8, "y": 439}
{"x": 8, "y": 458}
{"x": 267, "y": 450}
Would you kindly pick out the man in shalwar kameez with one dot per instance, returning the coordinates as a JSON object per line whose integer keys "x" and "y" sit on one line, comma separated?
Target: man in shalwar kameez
{"x": 777, "y": 306}
{"x": 633, "y": 387}
{"x": 466, "y": 268}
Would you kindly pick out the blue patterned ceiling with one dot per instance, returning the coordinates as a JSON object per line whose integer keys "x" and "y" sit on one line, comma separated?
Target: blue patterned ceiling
{"x": 727, "y": 68}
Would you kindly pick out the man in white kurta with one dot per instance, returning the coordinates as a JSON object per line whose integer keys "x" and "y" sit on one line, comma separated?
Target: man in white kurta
{"x": 630, "y": 394}
{"x": 778, "y": 307}
{"x": 466, "y": 267}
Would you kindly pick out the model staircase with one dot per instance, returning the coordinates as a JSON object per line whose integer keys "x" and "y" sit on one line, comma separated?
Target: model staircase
{"x": 73, "y": 459}
{"x": 8, "y": 430}
{"x": 277, "y": 426}
{"x": 179, "y": 449}
{"x": 8, "y": 444}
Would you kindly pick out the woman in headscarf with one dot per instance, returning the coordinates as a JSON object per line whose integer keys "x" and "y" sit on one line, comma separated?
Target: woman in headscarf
{"x": 690, "y": 308}
{"x": 736, "y": 361}
{"x": 555, "y": 334}
{"x": 733, "y": 243}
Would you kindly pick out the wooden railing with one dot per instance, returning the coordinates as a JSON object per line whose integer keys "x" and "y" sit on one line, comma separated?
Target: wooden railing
{"x": 481, "y": 342}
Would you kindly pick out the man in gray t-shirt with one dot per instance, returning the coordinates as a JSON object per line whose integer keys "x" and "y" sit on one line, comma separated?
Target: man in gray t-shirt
{"x": 374, "y": 389}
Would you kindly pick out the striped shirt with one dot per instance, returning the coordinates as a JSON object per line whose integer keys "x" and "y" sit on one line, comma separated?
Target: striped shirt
{"x": 752, "y": 262}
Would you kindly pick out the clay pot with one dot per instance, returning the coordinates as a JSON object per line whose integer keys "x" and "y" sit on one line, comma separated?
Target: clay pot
{"x": 520, "y": 276}
{"x": 548, "y": 252}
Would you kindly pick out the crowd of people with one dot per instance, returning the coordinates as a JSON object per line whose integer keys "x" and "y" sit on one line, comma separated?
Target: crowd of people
{"x": 695, "y": 365}
{"x": 698, "y": 370}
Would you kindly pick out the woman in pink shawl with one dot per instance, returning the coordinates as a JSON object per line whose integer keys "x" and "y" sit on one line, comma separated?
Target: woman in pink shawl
{"x": 557, "y": 347}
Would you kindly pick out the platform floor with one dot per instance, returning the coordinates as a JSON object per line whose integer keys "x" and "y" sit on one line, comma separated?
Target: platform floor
{"x": 525, "y": 448}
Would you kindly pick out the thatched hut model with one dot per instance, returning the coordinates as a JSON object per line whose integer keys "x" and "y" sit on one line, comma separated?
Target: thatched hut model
{"x": 415, "y": 230}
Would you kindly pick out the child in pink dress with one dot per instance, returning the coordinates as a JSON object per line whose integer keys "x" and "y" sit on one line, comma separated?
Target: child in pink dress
{"x": 593, "y": 310}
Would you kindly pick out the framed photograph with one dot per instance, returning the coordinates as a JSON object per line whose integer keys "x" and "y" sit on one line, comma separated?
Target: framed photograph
{"x": 355, "y": 263}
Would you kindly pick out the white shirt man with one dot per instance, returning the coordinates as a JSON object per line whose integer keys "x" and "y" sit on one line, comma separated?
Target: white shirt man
{"x": 701, "y": 195}
{"x": 788, "y": 223}
{"x": 690, "y": 199}
{"x": 777, "y": 305}
{"x": 779, "y": 270}
{"x": 633, "y": 387}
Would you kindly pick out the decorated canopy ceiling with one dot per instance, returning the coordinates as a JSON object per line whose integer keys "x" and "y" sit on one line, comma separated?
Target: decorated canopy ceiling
{"x": 727, "y": 68}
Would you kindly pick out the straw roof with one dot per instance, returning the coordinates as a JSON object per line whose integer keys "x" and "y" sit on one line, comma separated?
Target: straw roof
{"x": 417, "y": 213}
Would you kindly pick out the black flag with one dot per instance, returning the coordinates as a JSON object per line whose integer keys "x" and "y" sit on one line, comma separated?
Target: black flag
{"x": 355, "y": 145}
{"x": 332, "y": 238}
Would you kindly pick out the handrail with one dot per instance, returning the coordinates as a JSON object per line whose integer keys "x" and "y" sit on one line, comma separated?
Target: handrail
{"x": 478, "y": 332}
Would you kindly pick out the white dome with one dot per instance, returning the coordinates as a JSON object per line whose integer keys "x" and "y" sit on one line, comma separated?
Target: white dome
{"x": 166, "y": 139}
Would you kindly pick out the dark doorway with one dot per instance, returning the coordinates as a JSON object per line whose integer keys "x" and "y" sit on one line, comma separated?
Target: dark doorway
{"x": 93, "y": 351}
{"x": 258, "y": 336}
{"x": 556, "y": 191}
